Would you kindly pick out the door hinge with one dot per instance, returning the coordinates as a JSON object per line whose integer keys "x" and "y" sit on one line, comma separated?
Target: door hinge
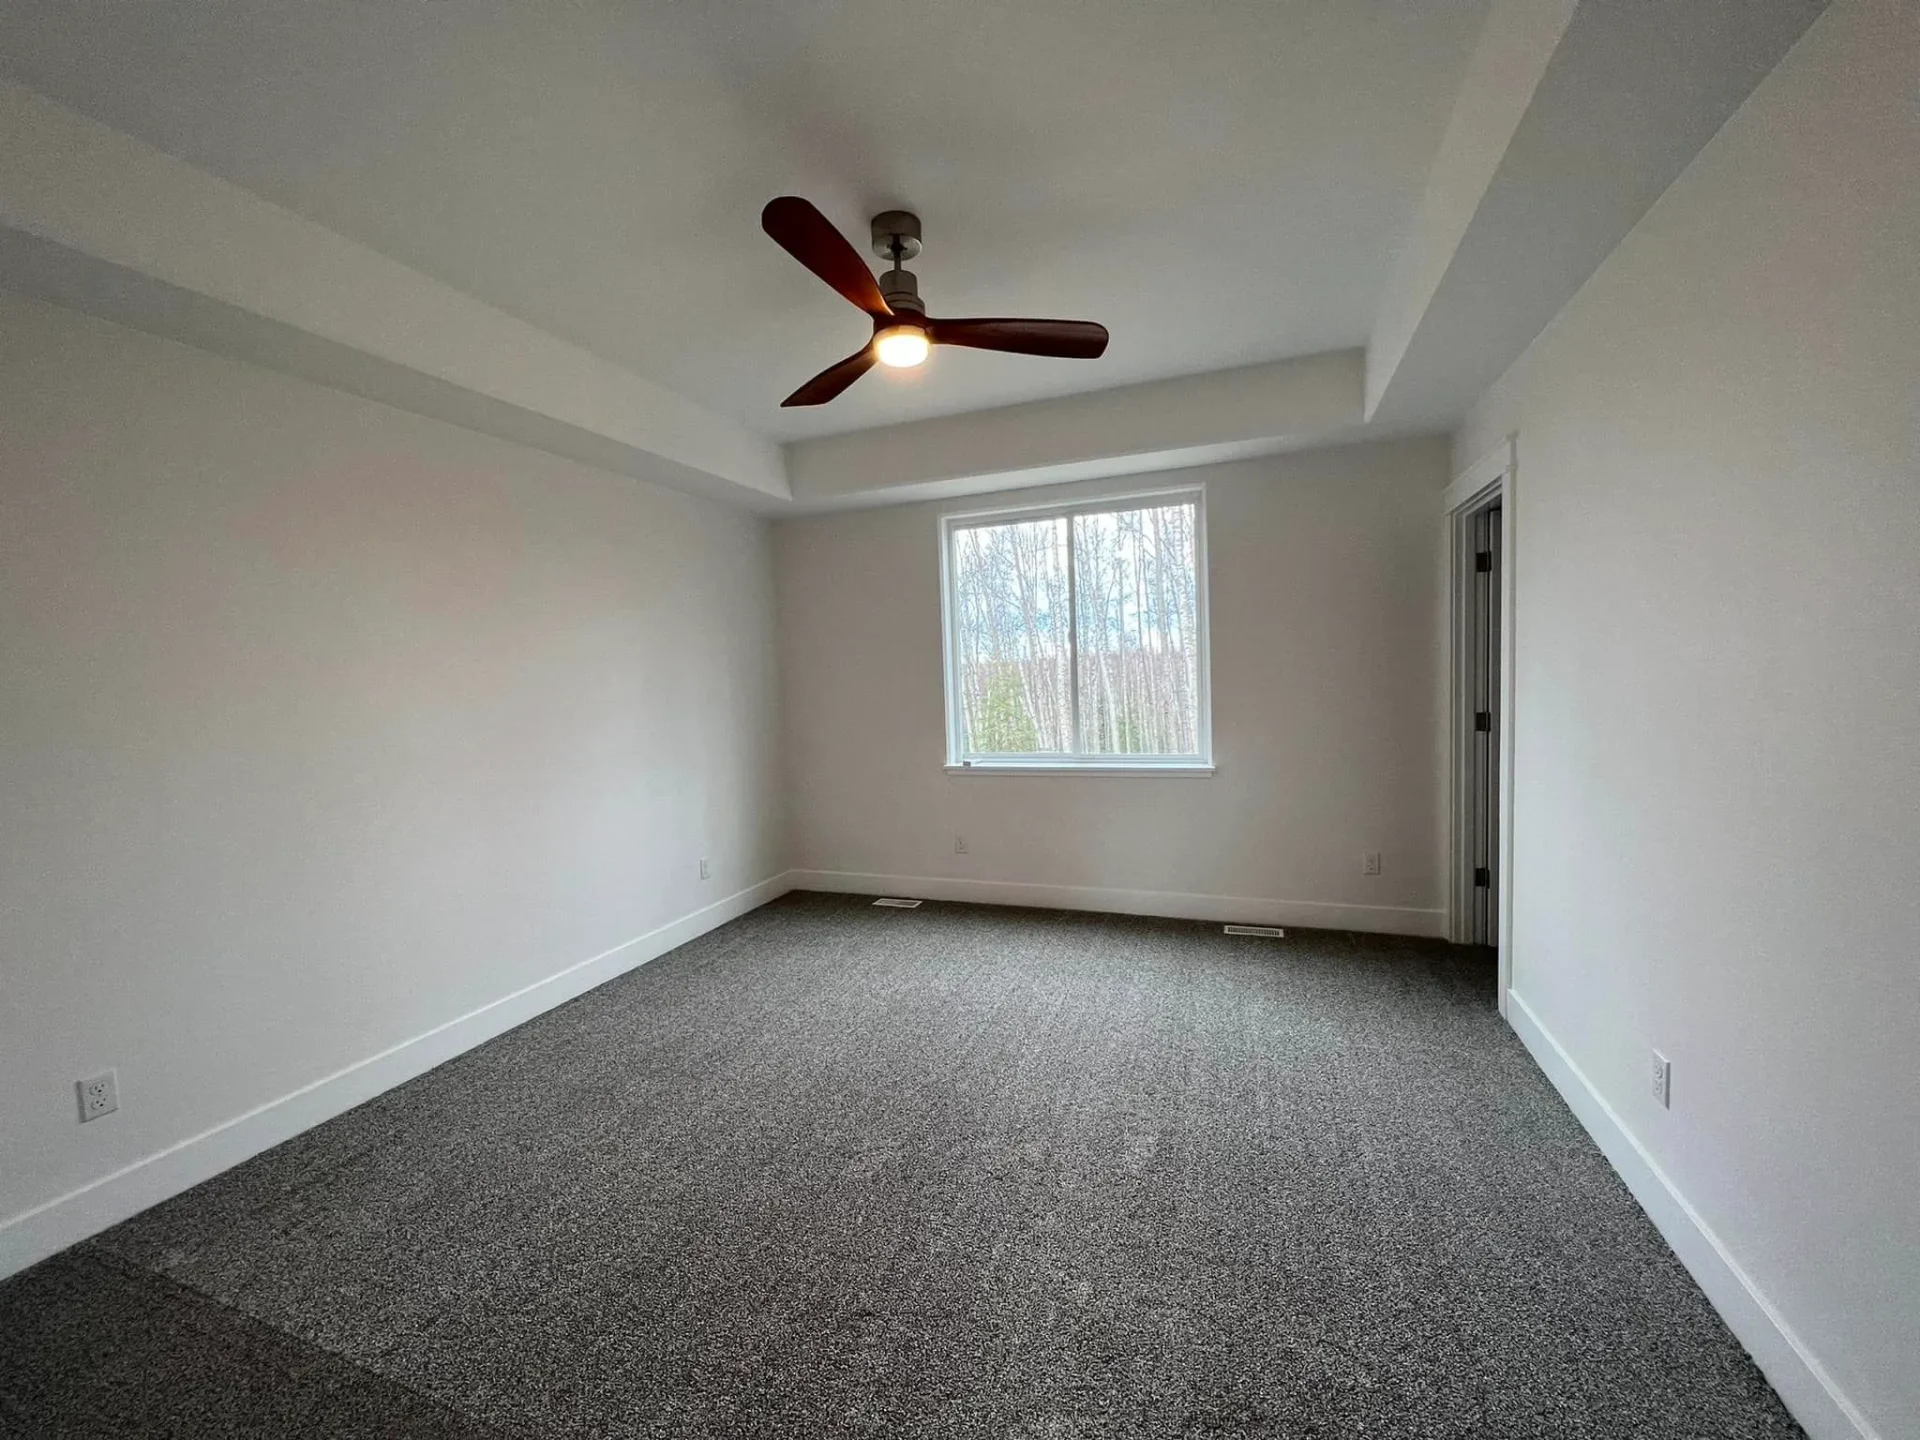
{"x": 1483, "y": 720}
{"x": 1483, "y": 561}
{"x": 1482, "y": 877}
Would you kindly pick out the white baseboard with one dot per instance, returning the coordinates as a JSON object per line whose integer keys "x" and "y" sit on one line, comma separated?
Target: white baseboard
{"x": 1802, "y": 1382}
{"x": 52, "y": 1226}
{"x": 1228, "y": 909}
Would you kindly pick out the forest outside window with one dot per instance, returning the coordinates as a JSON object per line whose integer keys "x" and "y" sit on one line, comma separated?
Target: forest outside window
{"x": 1076, "y": 636}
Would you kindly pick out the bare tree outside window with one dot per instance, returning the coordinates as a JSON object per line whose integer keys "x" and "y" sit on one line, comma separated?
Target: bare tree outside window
{"x": 1010, "y": 584}
{"x": 1076, "y": 636}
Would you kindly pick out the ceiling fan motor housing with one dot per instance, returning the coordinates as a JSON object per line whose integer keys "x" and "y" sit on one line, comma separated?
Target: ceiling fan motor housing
{"x": 903, "y": 292}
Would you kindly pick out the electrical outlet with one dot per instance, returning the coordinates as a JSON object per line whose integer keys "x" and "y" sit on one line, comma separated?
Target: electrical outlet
{"x": 1660, "y": 1080}
{"x": 1370, "y": 863}
{"x": 99, "y": 1095}
{"x": 706, "y": 868}
{"x": 959, "y": 844}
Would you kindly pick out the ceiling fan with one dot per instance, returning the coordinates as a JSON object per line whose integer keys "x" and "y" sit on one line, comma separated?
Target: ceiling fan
{"x": 903, "y": 332}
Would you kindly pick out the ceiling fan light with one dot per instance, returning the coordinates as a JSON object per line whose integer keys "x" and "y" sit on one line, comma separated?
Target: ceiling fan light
{"x": 902, "y": 346}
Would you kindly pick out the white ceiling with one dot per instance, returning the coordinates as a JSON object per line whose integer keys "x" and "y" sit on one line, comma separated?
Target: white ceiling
{"x": 1219, "y": 183}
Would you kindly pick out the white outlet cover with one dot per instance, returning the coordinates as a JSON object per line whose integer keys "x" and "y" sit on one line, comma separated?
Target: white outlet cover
{"x": 1370, "y": 863}
{"x": 98, "y": 1094}
{"x": 1660, "y": 1080}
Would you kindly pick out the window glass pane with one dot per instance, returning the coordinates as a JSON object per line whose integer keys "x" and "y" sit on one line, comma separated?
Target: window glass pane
{"x": 1139, "y": 631}
{"x": 1010, "y": 628}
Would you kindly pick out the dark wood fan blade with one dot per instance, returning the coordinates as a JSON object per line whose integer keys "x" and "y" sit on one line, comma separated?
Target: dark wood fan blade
{"x": 807, "y": 235}
{"x": 831, "y": 381}
{"x": 1067, "y": 339}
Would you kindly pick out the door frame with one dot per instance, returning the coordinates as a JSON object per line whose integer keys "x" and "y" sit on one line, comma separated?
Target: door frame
{"x": 1489, "y": 478}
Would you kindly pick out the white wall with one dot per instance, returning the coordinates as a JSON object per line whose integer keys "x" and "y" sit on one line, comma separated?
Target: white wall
{"x": 326, "y": 724}
{"x": 1717, "y": 789}
{"x": 1324, "y": 630}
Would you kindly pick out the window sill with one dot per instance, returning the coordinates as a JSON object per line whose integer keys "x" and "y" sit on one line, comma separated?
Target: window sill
{"x": 1194, "y": 771}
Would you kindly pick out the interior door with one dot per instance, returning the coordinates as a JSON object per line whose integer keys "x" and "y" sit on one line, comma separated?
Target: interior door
{"x": 1484, "y": 739}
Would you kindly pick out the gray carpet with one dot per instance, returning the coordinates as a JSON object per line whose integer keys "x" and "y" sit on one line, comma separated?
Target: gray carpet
{"x": 840, "y": 1171}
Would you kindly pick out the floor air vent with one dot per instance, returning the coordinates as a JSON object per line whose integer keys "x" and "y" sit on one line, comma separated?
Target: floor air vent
{"x": 895, "y": 903}
{"x": 1274, "y": 931}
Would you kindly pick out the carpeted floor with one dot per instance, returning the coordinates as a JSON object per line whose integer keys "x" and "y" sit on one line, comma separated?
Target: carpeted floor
{"x": 840, "y": 1171}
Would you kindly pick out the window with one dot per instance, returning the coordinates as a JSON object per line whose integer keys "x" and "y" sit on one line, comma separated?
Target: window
{"x": 1077, "y": 636}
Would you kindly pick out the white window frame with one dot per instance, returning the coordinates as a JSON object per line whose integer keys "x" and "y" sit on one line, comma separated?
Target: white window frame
{"x": 961, "y": 763}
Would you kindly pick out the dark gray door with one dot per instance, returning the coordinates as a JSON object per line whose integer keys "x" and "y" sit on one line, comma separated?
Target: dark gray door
{"x": 1483, "y": 759}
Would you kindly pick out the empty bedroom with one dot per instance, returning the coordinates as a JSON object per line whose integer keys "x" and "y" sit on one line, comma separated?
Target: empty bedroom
{"x": 1077, "y": 718}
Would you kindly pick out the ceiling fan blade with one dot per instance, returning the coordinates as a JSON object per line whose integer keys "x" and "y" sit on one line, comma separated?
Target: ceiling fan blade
{"x": 1067, "y": 339}
{"x": 832, "y": 380}
{"x": 807, "y": 235}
